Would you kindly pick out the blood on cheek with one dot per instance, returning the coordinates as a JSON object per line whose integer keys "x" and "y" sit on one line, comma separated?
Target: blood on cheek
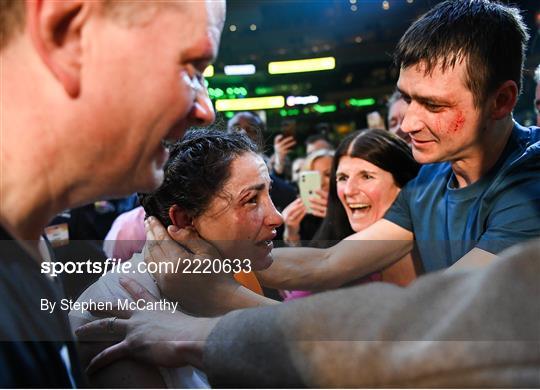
{"x": 458, "y": 122}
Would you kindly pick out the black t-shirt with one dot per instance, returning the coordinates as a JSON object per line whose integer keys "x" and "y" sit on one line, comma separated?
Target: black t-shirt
{"x": 36, "y": 347}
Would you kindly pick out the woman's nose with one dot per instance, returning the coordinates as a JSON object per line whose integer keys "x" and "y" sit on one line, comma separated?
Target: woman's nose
{"x": 273, "y": 217}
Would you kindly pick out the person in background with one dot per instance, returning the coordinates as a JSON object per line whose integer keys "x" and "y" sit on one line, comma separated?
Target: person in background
{"x": 283, "y": 145}
{"x": 250, "y": 124}
{"x": 316, "y": 142}
{"x": 537, "y": 95}
{"x": 75, "y": 130}
{"x": 296, "y": 168}
{"x": 301, "y": 226}
{"x": 396, "y": 112}
{"x": 368, "y": 170}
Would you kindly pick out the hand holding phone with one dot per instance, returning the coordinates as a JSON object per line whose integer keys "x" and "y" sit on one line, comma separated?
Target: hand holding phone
{"x": 309, "y": 183}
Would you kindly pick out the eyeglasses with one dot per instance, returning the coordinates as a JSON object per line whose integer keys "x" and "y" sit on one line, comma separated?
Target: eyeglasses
{"x": 196, "y": 83}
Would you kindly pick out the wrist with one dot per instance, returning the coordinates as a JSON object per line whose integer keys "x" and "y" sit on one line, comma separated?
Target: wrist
{"x": 291, "y": 236}
{"x": 193, "y": 351}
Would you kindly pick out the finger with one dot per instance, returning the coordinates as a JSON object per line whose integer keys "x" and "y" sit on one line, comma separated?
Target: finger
{"x": 191, "y": 239}
{"x": 153, "y": 249}
{"x": 297, "y": 213}
{"x": 296, "y": 208}
{"x": 108, "y": 356}
{"x": 300, "y": 203}
{"x": 316, "y": 201}
{"x": 278, "y": 138}
{"x": 114, "y": 312}
{"x": 318, "y": 212}
{"x": 157, "y": 229}
{"x": 137, "y": 290}
{"x": 316, "y": 205}
{"x": 99, "y": 330}
{"x": 300, "y": 218}
{"x": 291, "y": 212}
{"x": 322, "y": 194}
{"x": 289, "y": 142}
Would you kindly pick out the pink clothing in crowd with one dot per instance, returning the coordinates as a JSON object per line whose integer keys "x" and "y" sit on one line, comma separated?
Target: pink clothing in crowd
{"x": 127, "y": 235}
{"x": 295, "y": 294}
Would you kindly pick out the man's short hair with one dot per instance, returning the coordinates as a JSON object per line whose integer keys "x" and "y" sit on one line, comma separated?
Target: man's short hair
{"x": 12, "y": 20}
{"x": 489, "y": 36}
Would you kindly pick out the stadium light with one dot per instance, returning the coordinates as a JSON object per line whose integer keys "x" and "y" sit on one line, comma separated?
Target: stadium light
{"x": 297, "y": 66}
{"x": 247, "y": 104}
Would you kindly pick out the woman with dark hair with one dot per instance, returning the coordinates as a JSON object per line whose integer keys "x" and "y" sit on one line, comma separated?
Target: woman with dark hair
{"x": 382, "y": 152}
{"x": 218, "y": 185}
{"x": 368, "y": 171}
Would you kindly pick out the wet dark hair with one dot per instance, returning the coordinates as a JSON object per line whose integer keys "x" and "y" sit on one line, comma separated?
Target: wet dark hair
{"x": 490, "y": 36}
{"x": 197, "y": 169}
{"x": 379, "y": 147}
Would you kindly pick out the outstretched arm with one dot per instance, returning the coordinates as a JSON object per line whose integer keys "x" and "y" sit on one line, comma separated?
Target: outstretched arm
{"x": 469, "y": 328}
{"x": 370, "y": 250}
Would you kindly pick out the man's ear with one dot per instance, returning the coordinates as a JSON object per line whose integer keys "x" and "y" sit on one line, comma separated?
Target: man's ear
{"x": 55, "y": 30}
{"x": 505, "y": 98}
{"x": 179, "y": 217}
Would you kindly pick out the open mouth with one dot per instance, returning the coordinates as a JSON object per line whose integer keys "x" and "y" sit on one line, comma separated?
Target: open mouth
{"x": 268, "y": 242}
{"x": 358, "y": 208}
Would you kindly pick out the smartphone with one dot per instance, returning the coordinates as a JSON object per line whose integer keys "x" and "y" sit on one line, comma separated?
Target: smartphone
{"x": 309, "y": 183}
{"x": 288, "y": 128}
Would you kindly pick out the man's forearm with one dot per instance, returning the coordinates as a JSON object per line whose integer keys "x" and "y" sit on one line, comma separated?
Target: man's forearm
{"x": 322, "y": 269}
{"x": 295, "y": 268}
{"x": 445, "y": 329}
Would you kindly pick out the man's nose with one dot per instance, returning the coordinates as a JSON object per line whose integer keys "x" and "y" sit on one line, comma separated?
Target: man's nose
{"x": 202, "y": 112}
{"x": 411, "y": 121}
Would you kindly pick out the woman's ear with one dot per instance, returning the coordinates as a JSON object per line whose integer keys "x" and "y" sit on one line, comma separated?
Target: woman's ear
{"x": 179, "y": 217}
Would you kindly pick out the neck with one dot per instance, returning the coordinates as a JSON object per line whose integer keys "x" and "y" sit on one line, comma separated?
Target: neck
{"x": 482, "y": 156}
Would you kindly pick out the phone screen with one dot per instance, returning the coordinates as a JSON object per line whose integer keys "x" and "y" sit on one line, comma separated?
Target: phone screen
{"x": 309, "y": 183}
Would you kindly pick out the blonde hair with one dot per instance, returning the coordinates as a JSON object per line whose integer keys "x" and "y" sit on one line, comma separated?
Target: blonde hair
{"x": 315, "y": 155}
